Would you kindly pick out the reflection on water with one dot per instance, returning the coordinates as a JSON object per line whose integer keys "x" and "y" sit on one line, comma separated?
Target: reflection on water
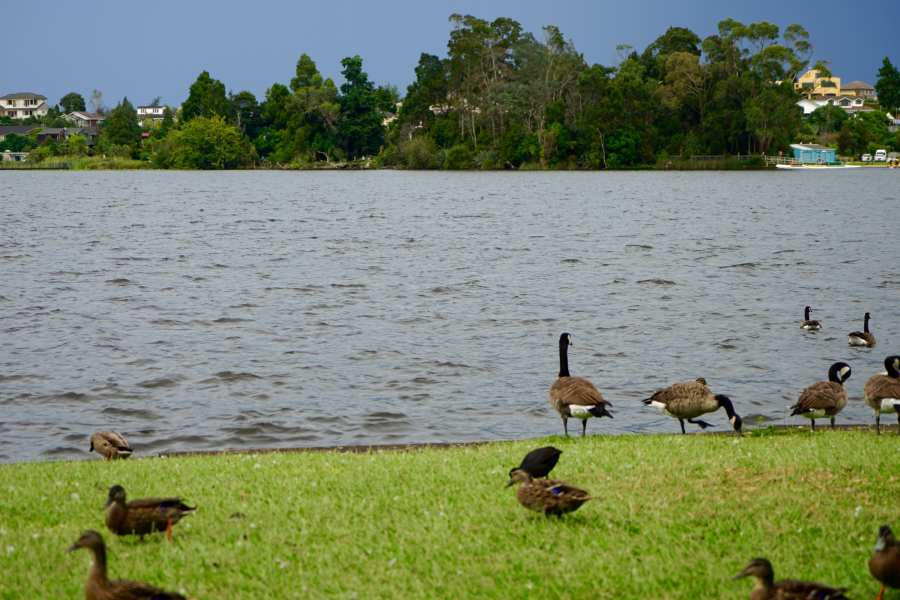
{"x": 197, "y": 311}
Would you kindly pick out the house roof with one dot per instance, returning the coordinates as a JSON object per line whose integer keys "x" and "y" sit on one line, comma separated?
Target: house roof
{"x": 811, "y": 147}
{"x": 52, "y": 131}
{"x": 22, "y": 96}
{"x": 160, "y": 107}
{"x": 85, "y": 116}
{"x": 857, "y": 85}
{"x": 859, "y": 109}
{"x": 19, "y": 129}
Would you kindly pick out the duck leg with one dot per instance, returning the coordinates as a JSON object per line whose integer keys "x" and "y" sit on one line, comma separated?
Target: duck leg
{"x": 813, "y": 424}
{"x": 108, "y": 454}
{"x": 169, "y": 529}
{"x": 702, "y": 424}
{"x": 880, "y": 594}
{"x": 682, "y": 426}
{"x": 583, "y": 427}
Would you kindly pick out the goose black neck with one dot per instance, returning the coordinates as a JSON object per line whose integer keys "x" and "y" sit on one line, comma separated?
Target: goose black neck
{"x": 725, "y": 402}
{"x": 564, "y": 358}
{"x": 834, "y": 375}
{"x": 806, "y": 314}
{"x": 892, "y": 371}
{"x": 866, "y": 324}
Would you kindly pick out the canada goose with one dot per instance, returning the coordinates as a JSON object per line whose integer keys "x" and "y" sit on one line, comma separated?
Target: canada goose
{"x": 690, "y": 399}
{"x": 862, "y": 338}
{"x": 100, "y": 588}
{"x": 885, "y": 562}
{"x": 824, "y": 398}
{"x": 111, "y": 445}
{"x": 807, "y": 324}
{"x": 546, "y": 495}
{"x": 140, "y": 517}
{"x": 575, "y": 396}
{"x": 882, "y": 392}
{"x": 786, "y": 589}
{"x": 538, "y": 463}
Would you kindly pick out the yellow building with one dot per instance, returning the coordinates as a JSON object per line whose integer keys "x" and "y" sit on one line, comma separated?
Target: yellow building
{"x": 813, "y": 85}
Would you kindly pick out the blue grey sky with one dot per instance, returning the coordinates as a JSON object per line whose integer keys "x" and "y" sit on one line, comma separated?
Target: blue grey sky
{"x": 147, "y": 49}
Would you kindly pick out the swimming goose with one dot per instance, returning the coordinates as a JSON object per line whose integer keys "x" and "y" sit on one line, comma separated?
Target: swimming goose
{"x": 807, "y": 324}
{"x": 111, "y": 445}
{"x": 575, "y": 396}
{"x": 140, "y": 517}
{"x": 538, "y": 463}
{"x": 786, "y": 589}
{"x": 824, "y": 398}
{"x": 862, "y": 338}
{"x": 690, "y": 399}
{"x": 100, "y": 588}
{"x": 885, "y": 562}
{"x": 546, "y": 495}
{"x": 882, "y": 392}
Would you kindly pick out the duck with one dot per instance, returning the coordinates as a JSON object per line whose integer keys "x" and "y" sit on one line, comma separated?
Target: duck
{"x": 110, "y": 444}
{"x": 786, "y": 589}
{"x": 538, "y": 463}
{"x": 824, "y": 398}
{"x": 547, "y": 496}
{"x": 690, "y": 399}
{"x": 882, "y": 391}
{"x": 140, "y": 517}
{"x": 885, "y": 562}
{"x": 575, "y": 396}
{"x": 862, "y": 338}
{"x": 807, "y": 324}
{"x": 100, "y": 588}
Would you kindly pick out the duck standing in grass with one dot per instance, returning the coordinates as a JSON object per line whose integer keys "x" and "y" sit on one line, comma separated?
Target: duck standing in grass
{"x": 546, "y": 495}
{"x": 786, "y": 589}
{"x": 807, "y": 323}
{"x": 885, "y": 562}
{"x": 690, "y": 399}
{"x": 824, "y": 398}
{"x": 575, "y": 396}
{"x": 100, "y": 588}
{"x": 538, "y": 463}
{"x": 862, "y": 338}
{"x": 111, "y": 445}
{"x": 882, "y": 392}
{"x": 140, "y": 517}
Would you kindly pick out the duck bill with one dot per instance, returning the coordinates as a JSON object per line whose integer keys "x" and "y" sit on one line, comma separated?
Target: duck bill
{"x": 73, "y": 548}
{"x": 108, "y": 502}
{"x": 740, "y": 575}
{"x": 511, "y": 481}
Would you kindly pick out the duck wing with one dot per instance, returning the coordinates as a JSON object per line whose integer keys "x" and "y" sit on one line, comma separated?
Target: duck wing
{"x": 122, "y": 589}
{"x": 791, "y": 589}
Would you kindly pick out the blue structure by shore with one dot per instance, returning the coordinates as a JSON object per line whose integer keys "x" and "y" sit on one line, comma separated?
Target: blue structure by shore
{"x": 813, "y": 154}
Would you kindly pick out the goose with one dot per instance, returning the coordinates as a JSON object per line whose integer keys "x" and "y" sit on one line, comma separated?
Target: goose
{"x": 690, "y": 399}
{"x": 862, "y": 338}
{"x": 100, "y": 588}
{"x": 882, "y": 391}
{"x": 824, "y": 398}
{"x": 807, "y": 324}
{"x": 575, "y": 396}
{"x": 546, "y": 495}
{"x": 885, "y": 562}
{"x": 538, "y": 463}
{"x": 111, "y": 445}
{"x": 140, "y": 517}
{"x": 786, "y": 589}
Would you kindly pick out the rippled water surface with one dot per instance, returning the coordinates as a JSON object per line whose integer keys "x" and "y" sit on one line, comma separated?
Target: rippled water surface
{"x": 197, "y": 311}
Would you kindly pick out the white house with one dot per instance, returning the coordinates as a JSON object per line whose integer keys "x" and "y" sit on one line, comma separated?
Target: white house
{"x": 154, "y": 112}
{"x": 24, "y": 105}
{"x": 849, "y": 104}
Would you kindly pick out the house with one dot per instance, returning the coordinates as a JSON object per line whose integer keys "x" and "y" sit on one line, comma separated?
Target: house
{"x": 84, "y": 119}
{"x": 155, "y": 112}
{"x": 24, "y": 105}
{"x": 812, "y": 85}
{"x": 17, "y": 129}
{"x": 56, "y": 134}
{"x": 860, "y": 90}
{"x": 10, "y": 156}
{"x": 813, "y": 153}
{"x": 849, "y": 104}
{"x": 89, "y": 133}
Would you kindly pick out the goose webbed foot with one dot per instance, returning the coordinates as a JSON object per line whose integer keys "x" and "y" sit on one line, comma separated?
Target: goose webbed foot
{"x": 702, "y": 424}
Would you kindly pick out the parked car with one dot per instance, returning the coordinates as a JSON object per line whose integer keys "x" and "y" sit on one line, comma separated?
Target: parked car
{"x": 866, "y": 158}
{"x": 880, "y": 155}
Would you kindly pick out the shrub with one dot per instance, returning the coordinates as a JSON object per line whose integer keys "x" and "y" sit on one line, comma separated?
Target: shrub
{"x": 458, "y": 157}
{"x": 421, "y": 153}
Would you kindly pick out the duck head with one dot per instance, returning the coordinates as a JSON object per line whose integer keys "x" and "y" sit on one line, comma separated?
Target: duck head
{"x": 760, "y": 568}
{"x": 116, "y": 494}
{"x": 885, "y": 538}
{"x": 519, "y": 476}
{"x": 89, "y": 539}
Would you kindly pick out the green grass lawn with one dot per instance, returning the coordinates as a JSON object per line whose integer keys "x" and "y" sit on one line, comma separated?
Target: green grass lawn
{"x": 675, "y": 517}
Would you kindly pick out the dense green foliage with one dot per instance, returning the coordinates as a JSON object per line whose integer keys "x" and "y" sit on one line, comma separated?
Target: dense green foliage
{"x": 122, "y": 126}
{"x": 888, "y": 85}
{"x": 207, "y": 143}
{"x": 72, "y": 101}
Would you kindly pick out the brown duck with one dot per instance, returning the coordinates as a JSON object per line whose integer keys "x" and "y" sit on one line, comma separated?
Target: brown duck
{"x": 885, "y": 563}
{"x": 824, "y": 398}
{"x": 786, "y": 589}
{"x": 140, "y": 517}
{"x": 100, "y": 588}
{"x": 690, "y": 399}
{"x": 882, "y": 392}
{"x": 111, "y": 445}
{"x": 575, "y": 396}
{"x": 546, "y": 495}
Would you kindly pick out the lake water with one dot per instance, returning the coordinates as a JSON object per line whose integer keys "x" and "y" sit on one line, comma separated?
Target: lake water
{"x": 204, "y": 311}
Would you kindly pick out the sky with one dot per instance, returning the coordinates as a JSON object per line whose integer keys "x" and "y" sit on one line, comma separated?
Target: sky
{"x": 146, "y": 49}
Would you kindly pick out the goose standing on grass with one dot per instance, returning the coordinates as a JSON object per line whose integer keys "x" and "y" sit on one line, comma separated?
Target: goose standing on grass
{"x": 862, "y": 338}
{"x": 807, "y": 324}
{"x": 786, "y": 589}
{"x": 882, "y": 392}
{"x": 538, "y": 463}
{"x": 575, "y": 396}
{"x": 546, "y": 495}
{"x": 111, "y": 445}
{"x": 824, "y": 398}
{"x": 140, "y": 517}
{"x": 690, "y": 399}
{"x": 885, "y": 562}
{"x": 100, "y": 588}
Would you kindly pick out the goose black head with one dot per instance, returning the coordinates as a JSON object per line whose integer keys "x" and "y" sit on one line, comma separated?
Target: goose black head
{"x": 839, "y": 372}
{"x": 116, "y": 494}
{"x": 565, "y": 340}
{"x": 806, "y": 312}
{"x": 733, "y": 417}
{"x": 885, "y": 538}
{"x": 892, "y": 366}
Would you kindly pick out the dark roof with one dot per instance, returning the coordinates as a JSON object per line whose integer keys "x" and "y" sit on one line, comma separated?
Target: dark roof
{"x": 163, "y": 107}
{"x": 52, "y": 130}
{"x": 22, "y": 96}
{"x": 857, "y": 85}
{"x": 19, "y": 129}
{"x": 86, "y": 116}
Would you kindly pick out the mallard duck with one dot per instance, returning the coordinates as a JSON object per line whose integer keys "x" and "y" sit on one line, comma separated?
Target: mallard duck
{"x": 100, "y": 588}
{"x": 786, "y": 589}
{"x": 824, "y": 398}
{"x": 862, "y": 338}
{"x": 882, "y": 392}
{"x": 575, "y": 396}
{"x": 546, "y": 495}
{"x": 140, "y": 517}
{"x": 885, "y": 562}
{"x": 807, "y": 324}
{"x": 690, "y": 399}
{"x": 111, "y": 445}
{"x": 538, "y": 463}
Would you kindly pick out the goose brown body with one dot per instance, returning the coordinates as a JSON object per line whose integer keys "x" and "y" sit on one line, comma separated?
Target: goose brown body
{"x": 786, "y": 589}
{"x": 885, "y": 562}
{"x": 882, "y": 392}
{"x": 111, "y": 445}
{"x": 575, "y": 396}
{"x": 824, "y": 398}
{"x": 862, "y": 338}
{"x": 690, "y": 399}
{"x": 100, "y": 587}
{"x": 810, "y": 324}
{"x": 547, "y": 496}
{"x": 140, "y": 517}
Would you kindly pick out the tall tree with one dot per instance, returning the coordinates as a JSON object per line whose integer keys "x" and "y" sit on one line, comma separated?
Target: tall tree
{"x": 207, "y": 97}
{"x": 72, "y": 101}
{"x": 97, "y": 105}
{"x": 888, "y": 86}
{"x": 360, "y": 129}
{"x": 122, "y": 126}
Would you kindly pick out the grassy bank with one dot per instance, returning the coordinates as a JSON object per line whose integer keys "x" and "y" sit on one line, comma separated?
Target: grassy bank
{"x": 676, "y": 516}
